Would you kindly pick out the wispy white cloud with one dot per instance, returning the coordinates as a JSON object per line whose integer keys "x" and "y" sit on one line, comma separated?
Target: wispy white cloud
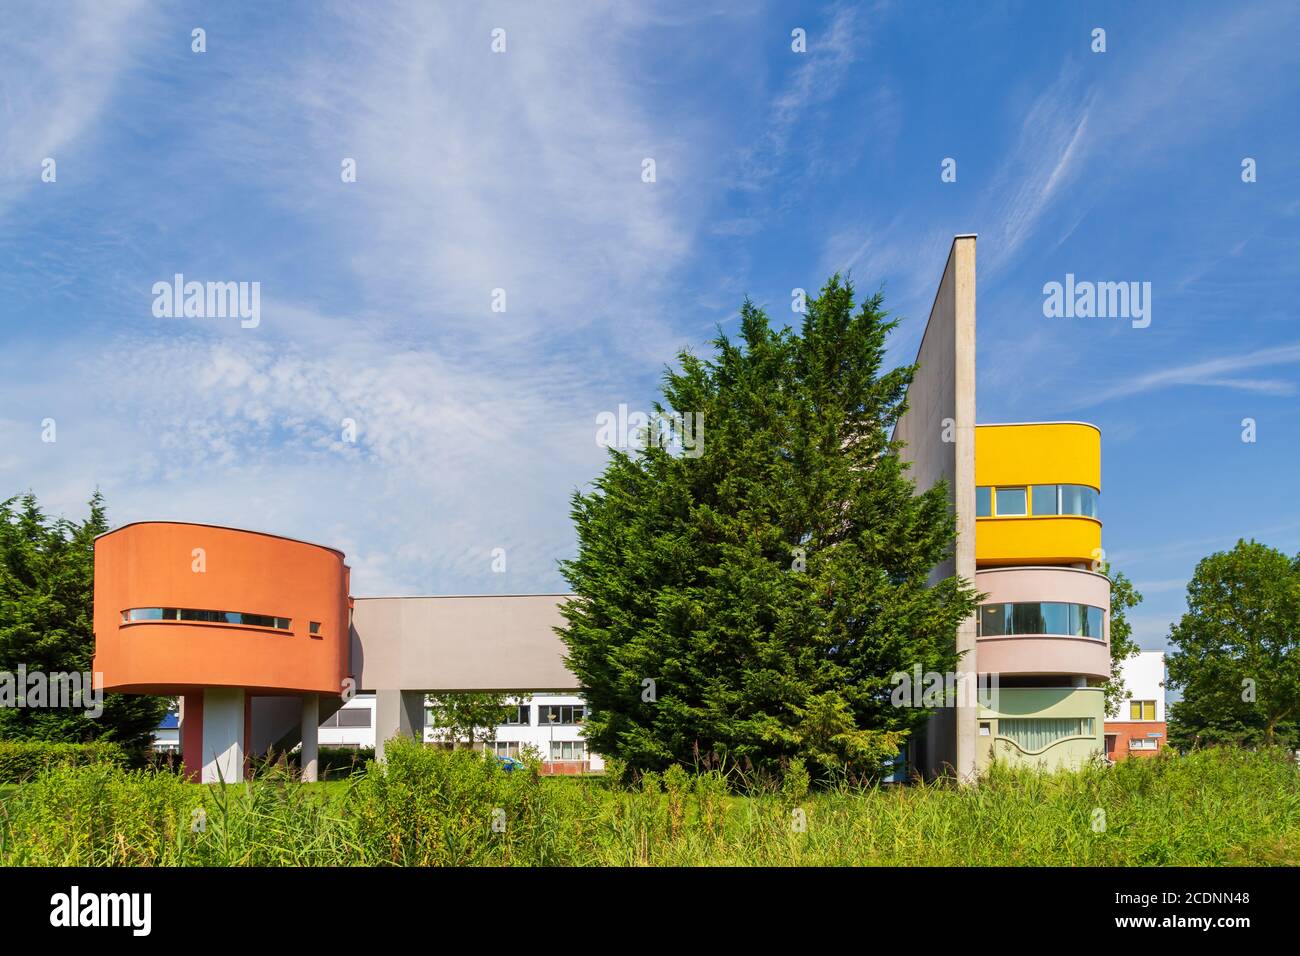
{"x": 1107, "y": 126}
{"x": 1045, "y": 157}
{"x": 1215, "y": 372}
{"x": 447, "y": 464}
{"x": 59, "y": 63}
{"x": 815, "y": 82}
{"x": 476, "y": 171}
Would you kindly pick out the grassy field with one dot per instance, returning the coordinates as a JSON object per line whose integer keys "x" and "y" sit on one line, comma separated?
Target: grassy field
{"x": 429, "y": 807}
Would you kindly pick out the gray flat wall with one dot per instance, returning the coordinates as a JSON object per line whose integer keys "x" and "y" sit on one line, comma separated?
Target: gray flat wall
{"x": 939, "y": 429}
{"x": 490, "y": 642}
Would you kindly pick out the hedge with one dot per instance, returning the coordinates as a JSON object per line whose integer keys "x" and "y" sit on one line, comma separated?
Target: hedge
{"x": 21, "y": 760}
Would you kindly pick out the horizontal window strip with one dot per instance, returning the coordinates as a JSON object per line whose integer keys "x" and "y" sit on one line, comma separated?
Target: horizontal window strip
{"x": 1038, "y": 733}
{"x": 190, "y": 615}
{"x": 1038, "y": 501}
{"x": 1041, "y": 617}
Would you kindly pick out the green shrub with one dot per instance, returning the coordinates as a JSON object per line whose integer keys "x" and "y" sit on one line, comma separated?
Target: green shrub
{"x": 22, "y": 760}
{"x": 103, "y": 815}
{"x": 426, "y": 806}
{"x": 711, "y": 793}
{"x": 97, "y": 815}
{"x": 795, "y": 781}
{"x": 677, "y": 784}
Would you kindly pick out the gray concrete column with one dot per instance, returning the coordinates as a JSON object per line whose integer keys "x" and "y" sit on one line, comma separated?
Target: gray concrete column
{"x": 398, "y": 712}
{"x": 223, "y": 735}
{"x": 962, "y": 266}
{"x": 310, "y": 735}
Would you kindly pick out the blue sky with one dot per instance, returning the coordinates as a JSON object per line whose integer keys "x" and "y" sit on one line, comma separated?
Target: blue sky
{"x": 522, "y": 170}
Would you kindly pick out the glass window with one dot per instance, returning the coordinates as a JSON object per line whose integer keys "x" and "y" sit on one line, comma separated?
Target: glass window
{"x": 1094, "y": 622}
{"x": 354, "y": 717}
{"x": 983, "y": 502}
{"x": 1033, "y": 734}
{"x": 1011, "y": 501}
{"x": 1026, "y": 619}
{"x": 206, "y": 617}
{"x": 1045, "y": 502}
{"x": 992, "y": 620}
{"x": 1078, "y": 500}
{"x": 519, "y": 716}
{"x": 1086, "y": 621}
{"x": 1046, "y": 617}
{"x": 313, "y": 628}
{"x": 1056, "y": 618}
{"x": 560, "y": 714}
{"x": 1142, "y": 710}
{"x": 568, "y": 750}
{"x": 143, "y": 614}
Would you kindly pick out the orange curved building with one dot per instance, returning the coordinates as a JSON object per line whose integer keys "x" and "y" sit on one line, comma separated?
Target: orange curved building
{"x": 256, "y": 634}
{"x": 248, "y": 628}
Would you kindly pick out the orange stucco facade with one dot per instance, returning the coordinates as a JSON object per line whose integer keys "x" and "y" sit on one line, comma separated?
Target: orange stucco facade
{"x": 159, "y": 564}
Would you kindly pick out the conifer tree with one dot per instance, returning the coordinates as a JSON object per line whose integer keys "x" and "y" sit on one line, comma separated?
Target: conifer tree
{"x": 754, "y": 603}
{"x": 46, "y": 624}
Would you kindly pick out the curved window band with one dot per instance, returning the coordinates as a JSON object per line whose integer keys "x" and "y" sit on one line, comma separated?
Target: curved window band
{"x": 1038, "y": 501}
{"x": 195, "y": 616}
{"x": 1040, "y": 617}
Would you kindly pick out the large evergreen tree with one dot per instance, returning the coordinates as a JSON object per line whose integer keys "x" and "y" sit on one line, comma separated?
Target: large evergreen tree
{"x": 1236, "y": 652}
{"x": 46, "y": 601}
{"x": 753, "y": 603}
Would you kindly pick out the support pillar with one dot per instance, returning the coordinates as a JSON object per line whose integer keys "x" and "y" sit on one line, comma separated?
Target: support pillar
{"x": 224, "y": 723}
{"x": 191, "y": 734}
{"x": 398, "y": 712}
{"x": 310, "y": 736}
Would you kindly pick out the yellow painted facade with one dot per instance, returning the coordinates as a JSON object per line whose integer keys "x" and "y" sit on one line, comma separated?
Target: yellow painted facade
{"x": 1020, "y": 456}
{"x": 1066, "y": 539}
{"x": 1066, "y": 453}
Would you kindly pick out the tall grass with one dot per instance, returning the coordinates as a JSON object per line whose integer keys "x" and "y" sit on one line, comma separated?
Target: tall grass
{"x": 430, "y": 807}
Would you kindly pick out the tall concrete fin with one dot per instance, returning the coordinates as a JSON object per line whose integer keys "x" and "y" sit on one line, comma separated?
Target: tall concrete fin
{"x": 939, "y": 430}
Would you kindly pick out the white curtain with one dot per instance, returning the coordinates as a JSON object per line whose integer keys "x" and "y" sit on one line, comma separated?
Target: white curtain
{"x": 1038, "y": 733}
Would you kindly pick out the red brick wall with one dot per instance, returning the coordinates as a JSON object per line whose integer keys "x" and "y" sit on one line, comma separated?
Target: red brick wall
{"x": 566, "y": 768}
{"x": 1125, "y": 730}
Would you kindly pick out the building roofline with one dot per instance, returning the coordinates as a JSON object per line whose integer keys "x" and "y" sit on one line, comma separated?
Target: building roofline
{"x": 920, "y": 347}
{"x": 431, "y": 597}
{"x": 1040, "y": 567}
{"x": 1017, "y": 424}
{"x": 937, "y": 289}
{"x": 223, "y": 527}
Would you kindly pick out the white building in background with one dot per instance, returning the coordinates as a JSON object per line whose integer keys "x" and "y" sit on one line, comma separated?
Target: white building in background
{"x": 167, "y": 735}
{"x": 549, "y": 724}
{"x": 352, "y": 726}
{"x": 1139, "y": 729}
